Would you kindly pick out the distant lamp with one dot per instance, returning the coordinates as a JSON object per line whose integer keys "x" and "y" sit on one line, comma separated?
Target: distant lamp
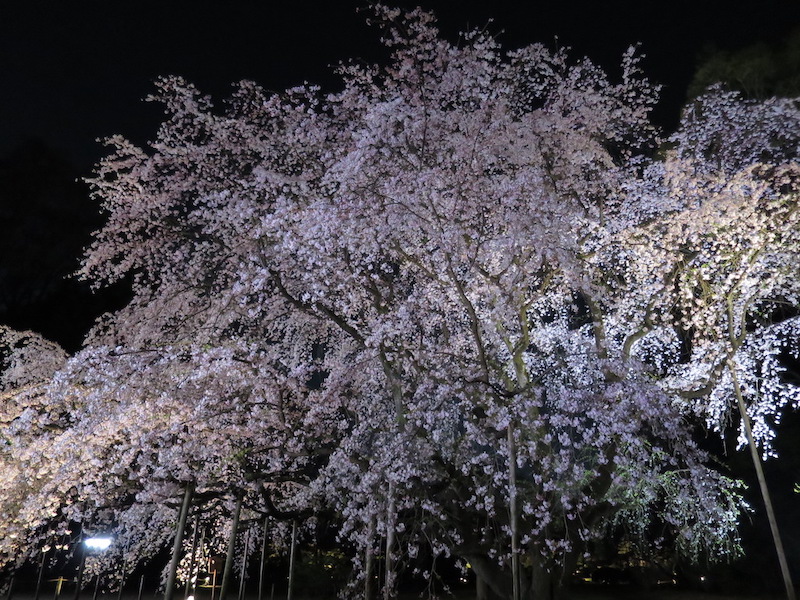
{"x": 97, "y": 543}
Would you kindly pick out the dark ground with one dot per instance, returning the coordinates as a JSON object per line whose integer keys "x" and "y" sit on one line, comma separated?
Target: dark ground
{"x": 583, "y": 593}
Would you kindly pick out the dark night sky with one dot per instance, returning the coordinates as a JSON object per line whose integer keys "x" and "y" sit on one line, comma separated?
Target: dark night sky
{"x": 71, "y": 72}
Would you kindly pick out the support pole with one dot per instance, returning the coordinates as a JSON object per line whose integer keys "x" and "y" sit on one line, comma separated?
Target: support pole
{"x": 122, "y": 578}
{"x": 388, "y": 588}
{"x": 369, "y": 562}
{"x": 290, "y": 590}
{"x": 81, "y": 567}
{"x": 226, "y": 573}
{"x": 59, "y": 583}
{"x": 10, "y": 587}
{"x": 262, "y": 566}
{"x": 40, "y": 577}
{"x": 513, "y": 513}
{"x": 192, "y": 560}
{"x": 762, "y": 483}
{"x": 169, "y": 592}
{"x": 196, "y": 577}
{"x": 243, "y": 570}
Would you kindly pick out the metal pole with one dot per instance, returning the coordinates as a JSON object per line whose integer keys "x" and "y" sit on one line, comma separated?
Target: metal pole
{"x": 141, "y": 587}
{"x": 96, "y": 587}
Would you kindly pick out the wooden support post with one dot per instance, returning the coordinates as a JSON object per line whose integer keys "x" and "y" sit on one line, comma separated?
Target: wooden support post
{"x": 10, "y": 587}
{"x": 262, "y": 566}
{"x": 40, "y": 577}
{"x": 369, "y": 562}
{"x": 122, "y": 579}
{"x": 192, "y": 561}
{"x": 292, "y": 550}
{"x": 243, "y": 570}
{"x": 513, "y": 513}
{"x": 169, "y": 592}
{"x": 762, "y": 483}
{"x": 389, "y": 582}
{"x": 226, "y": 573}
{"x": 81, "y": 567}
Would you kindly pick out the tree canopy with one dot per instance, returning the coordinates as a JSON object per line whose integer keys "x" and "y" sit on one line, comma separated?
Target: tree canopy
{"x": 471, "y": 304}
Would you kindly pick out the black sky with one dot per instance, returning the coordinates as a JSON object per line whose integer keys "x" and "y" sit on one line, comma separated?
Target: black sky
{"x": 71, "y": 72}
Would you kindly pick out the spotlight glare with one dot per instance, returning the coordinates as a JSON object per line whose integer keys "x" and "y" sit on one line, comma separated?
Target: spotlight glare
{"x": 97, "y": 543}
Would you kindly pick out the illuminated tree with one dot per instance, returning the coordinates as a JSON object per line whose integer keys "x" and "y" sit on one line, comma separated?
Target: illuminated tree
{"x": 457, "y": 304}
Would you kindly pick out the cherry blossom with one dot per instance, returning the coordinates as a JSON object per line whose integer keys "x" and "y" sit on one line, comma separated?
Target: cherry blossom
{"x": 469, "y": 302}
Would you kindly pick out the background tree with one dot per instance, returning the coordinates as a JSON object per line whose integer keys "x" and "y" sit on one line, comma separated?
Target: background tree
{"x": 758, "y": 71}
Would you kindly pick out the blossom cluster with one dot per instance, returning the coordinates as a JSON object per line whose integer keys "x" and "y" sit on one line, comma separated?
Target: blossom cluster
{"x": 463, "y": 304}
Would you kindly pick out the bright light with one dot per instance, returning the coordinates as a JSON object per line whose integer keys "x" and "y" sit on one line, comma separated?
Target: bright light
{"x": 97, "y": 543}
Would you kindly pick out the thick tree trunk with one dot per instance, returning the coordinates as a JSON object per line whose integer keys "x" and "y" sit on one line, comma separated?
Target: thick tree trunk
{"x": 481, "y": 589}
{"x": 537, "y": 583}
{"x": 550, "y": 583}
{"x": 494, "y": 581}
{"x": 544, "y": 584}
